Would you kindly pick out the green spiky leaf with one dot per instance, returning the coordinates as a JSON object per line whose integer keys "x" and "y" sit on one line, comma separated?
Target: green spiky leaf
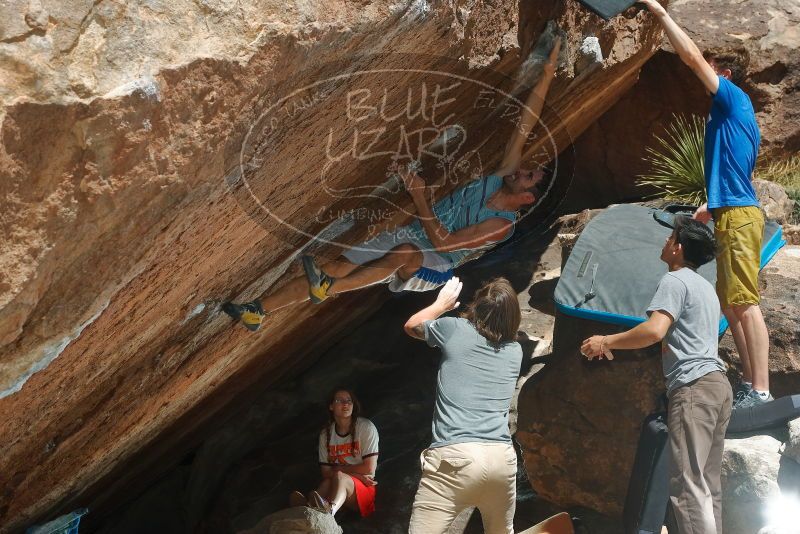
{"x": 676, "y": 162}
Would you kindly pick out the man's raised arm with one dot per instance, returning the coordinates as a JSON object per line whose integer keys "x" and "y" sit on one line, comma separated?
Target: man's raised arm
{"x": 530, "y": 115}
{"x": 684, "y": 46}
{"x": 473, "y": 236}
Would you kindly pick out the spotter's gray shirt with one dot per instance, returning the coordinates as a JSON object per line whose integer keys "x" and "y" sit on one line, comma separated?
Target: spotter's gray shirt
{"x": 474, "y": 385}
{"x": 689, "y": 350}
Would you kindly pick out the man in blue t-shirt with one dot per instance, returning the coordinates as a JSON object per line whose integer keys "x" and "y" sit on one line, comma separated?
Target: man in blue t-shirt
{"x": 731, "y": 148}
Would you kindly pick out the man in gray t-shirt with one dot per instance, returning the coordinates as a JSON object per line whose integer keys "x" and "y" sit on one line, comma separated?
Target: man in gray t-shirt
{"x": 689, "y": 350}
{"x": 474, "y": 385}
{"x": 684, "y": 317}
{"x": 471, "y": 461}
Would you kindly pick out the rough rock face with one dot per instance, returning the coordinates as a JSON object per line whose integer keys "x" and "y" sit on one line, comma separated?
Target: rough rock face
{"x": 579, "y": 421}
{"x": 159, "y": 158}
{"x": 299, "y": 520}
{"x": 245, "y": 468}
{"x": 780, "y": 304}
{"x": 756, "y": 478}
{"x": 768, "y": 31}
{"x": 774, "y": 201}
{"x": 609, "y": 155}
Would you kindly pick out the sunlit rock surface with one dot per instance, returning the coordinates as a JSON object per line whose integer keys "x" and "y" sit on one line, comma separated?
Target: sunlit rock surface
{"x": 613, "y": 149}
{"x": 579, "y": 421}
{"x": 157, "y": 159}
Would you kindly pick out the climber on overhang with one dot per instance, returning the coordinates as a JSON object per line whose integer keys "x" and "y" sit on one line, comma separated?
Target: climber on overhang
{"x": 422, "y": 255}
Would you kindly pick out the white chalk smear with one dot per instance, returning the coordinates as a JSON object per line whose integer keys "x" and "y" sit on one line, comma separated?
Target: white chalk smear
{"x": 146, "y": 84}
{"x": 48, "y": 353}
{"x": 197, "y": 310}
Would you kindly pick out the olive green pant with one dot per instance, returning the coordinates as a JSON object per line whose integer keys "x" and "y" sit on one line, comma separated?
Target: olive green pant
{"x": 699, "y": 413}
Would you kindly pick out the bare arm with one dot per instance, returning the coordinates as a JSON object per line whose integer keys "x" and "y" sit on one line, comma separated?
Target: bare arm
{"x": 476, "y": 235}
{"x": 446, "y": 300}
{"x": 367, "y": 467}
{"x": 684, "y": 46}
{"x": 643, "y": 335}
{"x": 530, "y": 115}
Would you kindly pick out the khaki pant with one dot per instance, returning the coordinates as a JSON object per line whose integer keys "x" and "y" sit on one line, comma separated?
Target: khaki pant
{"x": 459, "y": 476}
{"x": 698, "y": 417}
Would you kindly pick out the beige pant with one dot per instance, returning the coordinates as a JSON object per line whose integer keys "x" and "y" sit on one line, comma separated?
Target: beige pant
{"x": 698, "y": 418}
{"x": 459, "y": 476}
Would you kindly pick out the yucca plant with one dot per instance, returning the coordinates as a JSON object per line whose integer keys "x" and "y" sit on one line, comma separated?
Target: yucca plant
{"x": 676, "y": 162}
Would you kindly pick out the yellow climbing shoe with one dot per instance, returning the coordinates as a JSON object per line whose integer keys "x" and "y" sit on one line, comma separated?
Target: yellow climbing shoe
{"x": 318, "y": 282}
{"x": 251, "y": 314}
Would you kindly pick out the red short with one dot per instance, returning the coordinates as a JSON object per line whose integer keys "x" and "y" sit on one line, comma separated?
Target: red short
{"x": 365, "y": 495}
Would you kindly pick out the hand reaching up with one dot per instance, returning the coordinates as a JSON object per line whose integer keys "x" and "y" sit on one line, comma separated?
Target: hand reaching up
{"x": 448, "y": 296}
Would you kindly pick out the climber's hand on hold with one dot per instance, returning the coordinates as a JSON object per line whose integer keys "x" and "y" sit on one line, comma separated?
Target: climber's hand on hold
{"x": 551, "y": 64}
{"x": 654, "y": 7}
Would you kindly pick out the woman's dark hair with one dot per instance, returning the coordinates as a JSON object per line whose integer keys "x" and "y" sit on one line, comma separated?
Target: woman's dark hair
{"x": 696, "y": 239}
{"x": 353, "y": 418}
{"x": 494, "y": 312}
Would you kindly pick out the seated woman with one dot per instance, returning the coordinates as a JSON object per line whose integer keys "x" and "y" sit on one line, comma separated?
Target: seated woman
{"x": 471, "y": 461}
{"x": 348, "y": 456}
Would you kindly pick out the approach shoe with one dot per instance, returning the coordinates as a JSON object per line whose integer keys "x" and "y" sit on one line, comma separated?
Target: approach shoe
{"x": 318, "y": 282}
{"x": 752, "y": 400}
{"x": 316, "y": 502}
{"x": 251, "y": 314}
{"x": 741, "y": 391}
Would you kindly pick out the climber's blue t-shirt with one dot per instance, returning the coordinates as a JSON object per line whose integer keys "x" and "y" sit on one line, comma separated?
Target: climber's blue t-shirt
{"x": 731, "y": 148}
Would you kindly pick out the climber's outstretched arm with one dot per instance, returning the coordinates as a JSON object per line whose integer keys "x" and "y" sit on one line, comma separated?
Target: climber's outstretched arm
{"x": 685, "y": 47}
{"x": 473, "y": 236}
{"x": 530, "y": 115}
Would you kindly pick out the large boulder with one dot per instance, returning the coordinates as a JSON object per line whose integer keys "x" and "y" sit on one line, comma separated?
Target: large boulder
{"x": 159, "y": 158}
{"x": 298, "y": 520}
{"x": 579, "y": 421}
{"x": 610, "y": 154}
{"x": 759, "y": 486}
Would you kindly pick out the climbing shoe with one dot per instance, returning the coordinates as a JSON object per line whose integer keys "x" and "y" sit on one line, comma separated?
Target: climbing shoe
{"x": 752, "y": 399}
{"x": 318, "y": 282}
{"x": 251, "y": 314}
{"x": 741, "y": 392}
